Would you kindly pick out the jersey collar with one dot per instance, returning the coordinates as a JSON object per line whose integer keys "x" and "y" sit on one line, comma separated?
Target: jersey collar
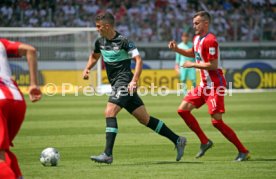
{"x": 203, "y": 36}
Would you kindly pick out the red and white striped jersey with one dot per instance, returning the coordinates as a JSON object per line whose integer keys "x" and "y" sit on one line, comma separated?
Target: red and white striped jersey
{"x": 8, "y": 87}
{"x": 206, "y": 49}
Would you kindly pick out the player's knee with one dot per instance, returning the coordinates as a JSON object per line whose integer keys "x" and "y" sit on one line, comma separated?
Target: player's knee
{"x": 109, "y": 112}
{"x": 143, "y": 119}
{"x": 2, "y": 155}
{"x": 217, "y": 116}
{"x": 187, "y": 106}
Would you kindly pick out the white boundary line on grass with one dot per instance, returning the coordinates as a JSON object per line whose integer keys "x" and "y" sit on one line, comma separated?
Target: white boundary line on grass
{"x": 240, "y": 91}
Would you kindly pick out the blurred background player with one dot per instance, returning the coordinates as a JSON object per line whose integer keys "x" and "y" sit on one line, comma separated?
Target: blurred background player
{"x": 117, "y": 52}
{"x": 211, "y": 89}
{"x": 12, "y": 103}
{"x": 185, "y": 73}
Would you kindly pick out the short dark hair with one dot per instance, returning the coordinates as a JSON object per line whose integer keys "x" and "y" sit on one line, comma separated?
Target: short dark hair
{"x": 203, "y": 14}
{"x": 107, "y": 17}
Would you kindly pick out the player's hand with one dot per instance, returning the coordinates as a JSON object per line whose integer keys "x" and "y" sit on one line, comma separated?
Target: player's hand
{"x": 188, "y": 64}
{"x": 172, "y": 45}
{"x": 34, "y": 93}
{"x": 85, "y": 74}
{"x": 132, "y": 87}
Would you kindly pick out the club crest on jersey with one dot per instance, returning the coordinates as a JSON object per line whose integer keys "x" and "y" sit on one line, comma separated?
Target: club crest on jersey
{"x": 212, "y": 50}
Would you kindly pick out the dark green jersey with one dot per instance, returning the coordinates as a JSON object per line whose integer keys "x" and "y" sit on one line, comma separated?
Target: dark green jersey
{"x": 117, "y": 54}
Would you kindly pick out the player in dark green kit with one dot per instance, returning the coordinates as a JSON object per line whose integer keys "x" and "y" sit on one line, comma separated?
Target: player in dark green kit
{"x": 117, "y": 52}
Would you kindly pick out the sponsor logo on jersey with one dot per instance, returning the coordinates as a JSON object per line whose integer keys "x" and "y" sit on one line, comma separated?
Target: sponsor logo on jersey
{"x": 115, "y": 46}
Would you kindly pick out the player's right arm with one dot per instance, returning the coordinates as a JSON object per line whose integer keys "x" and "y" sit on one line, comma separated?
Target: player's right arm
{"x": 92, "y": 61}
{"x": 30, "y": 53}
{"x": 188, "y": 53}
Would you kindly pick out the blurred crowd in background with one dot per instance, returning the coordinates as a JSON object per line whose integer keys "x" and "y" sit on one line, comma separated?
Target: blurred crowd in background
{"x": 149, "y": 20}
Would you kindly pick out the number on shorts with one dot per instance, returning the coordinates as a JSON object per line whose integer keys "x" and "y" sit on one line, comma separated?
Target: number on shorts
{"x": 213, "y": 102}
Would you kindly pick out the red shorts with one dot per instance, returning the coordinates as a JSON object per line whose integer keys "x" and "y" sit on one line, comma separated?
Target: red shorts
{"x": 212, "y": 97}
{"x": 12, "y": 114}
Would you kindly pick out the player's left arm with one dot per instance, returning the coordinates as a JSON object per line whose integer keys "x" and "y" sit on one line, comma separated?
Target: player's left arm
{"x": 211, "y": 62}
{"x": 30, "y": 53}
{"x": 211, "y": 65}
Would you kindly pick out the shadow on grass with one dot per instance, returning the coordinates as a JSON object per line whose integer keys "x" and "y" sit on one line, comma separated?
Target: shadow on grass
{"x": 174, "y": 162}
{"x": 262, "y": 160}
{"x": 152, "y": 163}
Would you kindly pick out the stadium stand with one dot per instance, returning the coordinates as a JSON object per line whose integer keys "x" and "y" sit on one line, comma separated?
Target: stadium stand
{"x": 149, "y": 20}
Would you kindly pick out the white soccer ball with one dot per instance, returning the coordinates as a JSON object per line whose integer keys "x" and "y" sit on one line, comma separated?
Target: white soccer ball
{"x": 49, "y": 157}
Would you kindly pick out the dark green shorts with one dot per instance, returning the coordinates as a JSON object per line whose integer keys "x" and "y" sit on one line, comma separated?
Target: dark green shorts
{"x": 122, "y": 98}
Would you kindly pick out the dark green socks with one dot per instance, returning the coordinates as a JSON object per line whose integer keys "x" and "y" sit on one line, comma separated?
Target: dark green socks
{"x": 111, "y": 132}
{"x": 160, "y": 128}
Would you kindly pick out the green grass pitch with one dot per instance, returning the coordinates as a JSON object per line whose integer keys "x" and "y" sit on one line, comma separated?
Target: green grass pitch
{"x": 76, "y": 125}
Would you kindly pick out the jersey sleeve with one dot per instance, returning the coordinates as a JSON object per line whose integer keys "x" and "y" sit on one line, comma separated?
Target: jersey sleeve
{"x": 11, "y": 47}
{"x": 190, "y": 44}
{"x": 177, "y": 58}
{"x": 211, "y": 50}
{"x": 130, "y": 48}
{"x": 97, "y": 47}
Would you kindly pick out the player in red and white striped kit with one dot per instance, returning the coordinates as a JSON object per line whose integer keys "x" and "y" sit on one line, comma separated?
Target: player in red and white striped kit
{"x": 212, "y": 86}
{"x": 12, "y": 103}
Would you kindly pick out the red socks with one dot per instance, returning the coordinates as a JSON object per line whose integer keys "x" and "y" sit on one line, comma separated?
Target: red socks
{"x": 11, "y": 160}
{"x": 6, "y": 172}
{"x": 229, "y": 134}
{"x": 193, "y": 125}
{"x": 219, "y": 124}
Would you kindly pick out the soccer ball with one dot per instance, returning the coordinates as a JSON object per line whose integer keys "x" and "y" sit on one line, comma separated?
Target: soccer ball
{"x": 49, "y": 157}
